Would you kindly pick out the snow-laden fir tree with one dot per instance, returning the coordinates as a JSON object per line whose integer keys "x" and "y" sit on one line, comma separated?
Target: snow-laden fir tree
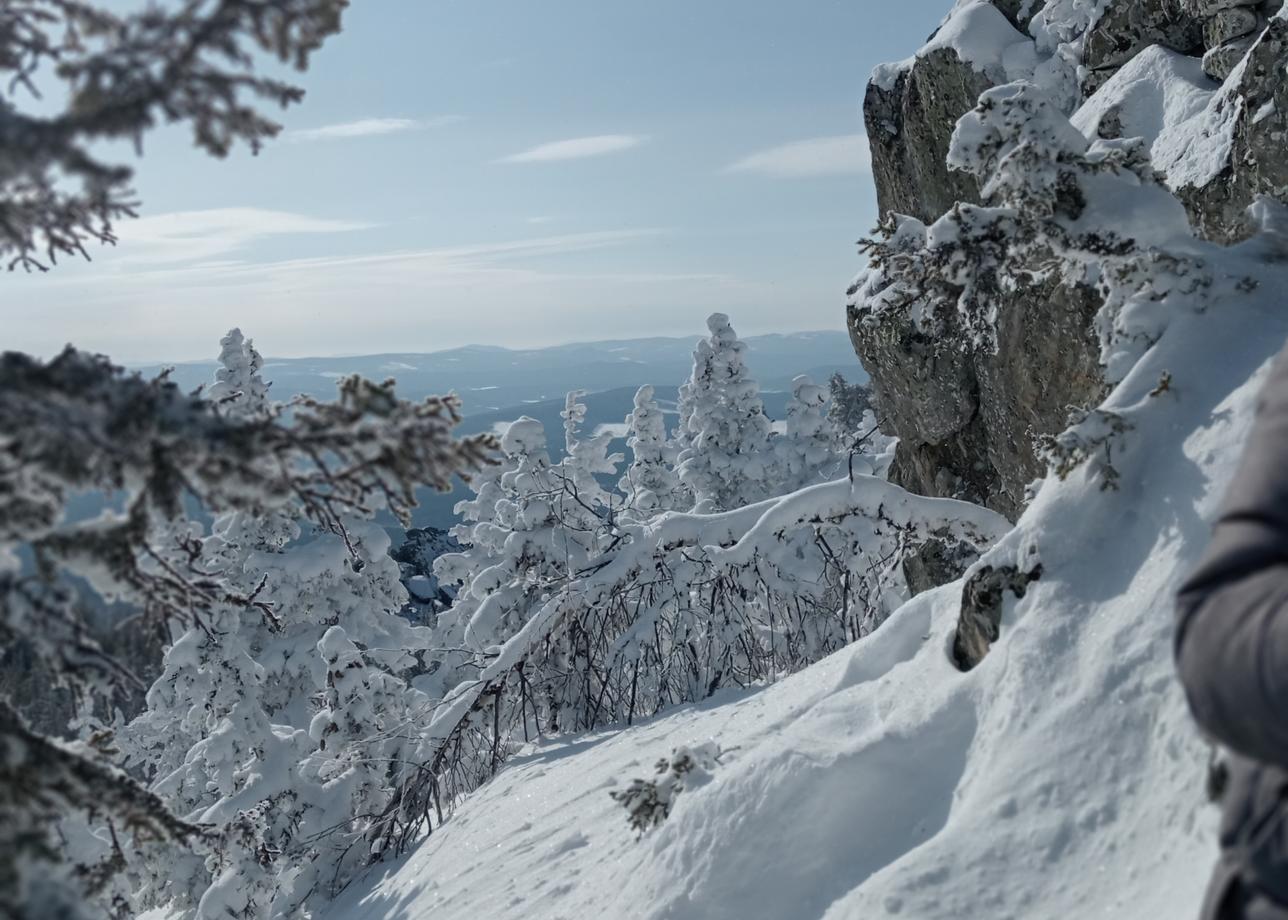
{"x": 530, "y": 552}
{"x": 727, "y": 462}
{"x": 482, "y": 540}
{"x": 587, "y": 459}
{"x": 806, "y": 451}
{"x": 239, "y": 387}
{"x": 847, "y": 405}
{"x": 309, "y": 791}
{"x": 89, "y": 426}
{"x": 205, "y": 725}
{"x": 367, "y": 744}
{"x": 241, "y": 688}
{"x": 650, "y": 484}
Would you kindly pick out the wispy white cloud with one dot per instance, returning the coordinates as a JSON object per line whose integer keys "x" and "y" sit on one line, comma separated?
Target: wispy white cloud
{"x": 838, "y": 155}
{"x": 576, "y": 148}
{"x": 368, "y": 127}
{"x": 424, "y": 264}
{"x": 195, "y": 236}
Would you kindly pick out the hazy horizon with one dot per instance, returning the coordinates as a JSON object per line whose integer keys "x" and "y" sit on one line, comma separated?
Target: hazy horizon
{"x": 213, "y": 356}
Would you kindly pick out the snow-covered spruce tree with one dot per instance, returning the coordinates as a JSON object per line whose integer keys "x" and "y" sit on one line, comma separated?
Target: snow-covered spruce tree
{"x": 367, "y": 747}
{"x": 650, "y": 484}
{"x": 559, "y": 520}
{"x": 846, "y": 407}
{"x": 808, "y": 450}
{"x": 242, "y": 689}
{"x": 239, "y": 388}
{"x": 205, "y": 722}
{"x": 587, "y": 512}
{"x": 529, "y": 533}
{"x": 586, "y": 460}
{"x": 482, "y": 540}
{"x": 726, "y": 463}
{"x": 182, "y": 698}
{"x": 531, "y": 552}
{"x": 77, "y": 423}
{"x": 313, "y": 804}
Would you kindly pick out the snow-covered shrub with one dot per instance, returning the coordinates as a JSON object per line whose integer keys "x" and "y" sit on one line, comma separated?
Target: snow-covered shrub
{"x": 672, "y": 610}
{"x": 648, "y": 802}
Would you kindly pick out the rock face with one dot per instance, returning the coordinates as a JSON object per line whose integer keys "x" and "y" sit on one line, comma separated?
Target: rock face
{"x": 909, "y": 125}
{"x": 1257, "y": 161}
{"x": 983, "y": 601}
{"x": 415, "y": 558}
{"x": 938, "y": 561}
{"x": 968, "y": 417}
{"x": 1128, "y": 28}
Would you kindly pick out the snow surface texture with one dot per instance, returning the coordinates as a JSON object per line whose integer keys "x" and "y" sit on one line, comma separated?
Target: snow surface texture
{"x": 1165, "y": 98}
{"x": 1061, "y": 778}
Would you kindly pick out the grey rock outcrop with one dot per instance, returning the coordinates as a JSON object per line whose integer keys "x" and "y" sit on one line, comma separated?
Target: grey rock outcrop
{"x": 1257, "y": 162}
{"x": 983, "y": 601}
{"x": 968, "y": 418}
{"x": 909, "y": 124}
{"x": 1230, "y": 28}
{"x": 936, "y": 562}
{"x": 1126, "y": 29}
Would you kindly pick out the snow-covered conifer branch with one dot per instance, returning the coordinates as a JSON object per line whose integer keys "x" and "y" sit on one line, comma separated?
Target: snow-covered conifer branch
{"x": 77, "y": 423}
{"x": 122, "y": 75}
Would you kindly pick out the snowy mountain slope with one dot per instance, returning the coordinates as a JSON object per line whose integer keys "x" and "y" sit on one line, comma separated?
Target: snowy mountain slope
{"x": 1062, "y": 778}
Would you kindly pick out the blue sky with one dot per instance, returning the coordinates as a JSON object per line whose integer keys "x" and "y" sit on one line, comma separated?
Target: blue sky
{"x": 509, "y": 172}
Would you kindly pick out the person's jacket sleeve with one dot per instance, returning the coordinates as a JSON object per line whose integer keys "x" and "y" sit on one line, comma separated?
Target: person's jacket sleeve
{"x": 1232, "y": 636}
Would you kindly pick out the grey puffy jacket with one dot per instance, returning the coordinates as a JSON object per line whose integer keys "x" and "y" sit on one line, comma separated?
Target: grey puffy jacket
{"x": 1232, "y": 654}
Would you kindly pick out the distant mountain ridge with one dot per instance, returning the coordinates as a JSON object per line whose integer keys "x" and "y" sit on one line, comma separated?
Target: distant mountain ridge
{"x": 491, "y": 379}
